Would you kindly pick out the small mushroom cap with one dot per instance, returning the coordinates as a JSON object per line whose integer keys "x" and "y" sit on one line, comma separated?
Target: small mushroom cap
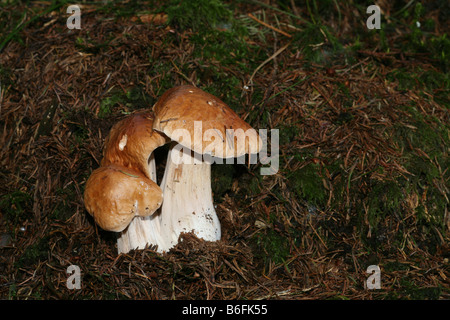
{"x": 131, "y": 141}
{"x": 114, "y": 195}
{"x": 187, "y": 109}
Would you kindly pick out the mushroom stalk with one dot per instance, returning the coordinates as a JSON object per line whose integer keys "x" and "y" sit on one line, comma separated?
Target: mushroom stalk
{"x": 188, "y": 203}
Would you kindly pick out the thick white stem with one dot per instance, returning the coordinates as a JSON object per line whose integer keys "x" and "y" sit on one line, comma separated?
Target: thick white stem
{"x": 187, "y": 207}
{"x": 142, "y": 231}
{"x": 188, "y": 204}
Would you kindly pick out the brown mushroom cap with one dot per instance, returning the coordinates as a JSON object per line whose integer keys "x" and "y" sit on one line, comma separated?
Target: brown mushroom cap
{"x": 131, "y": 141}
{"x": 180, "y": 107}
{"x": 114, "y": 195}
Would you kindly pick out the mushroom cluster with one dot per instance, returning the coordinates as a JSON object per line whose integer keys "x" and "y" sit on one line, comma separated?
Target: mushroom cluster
{"x": 123, "y": 196}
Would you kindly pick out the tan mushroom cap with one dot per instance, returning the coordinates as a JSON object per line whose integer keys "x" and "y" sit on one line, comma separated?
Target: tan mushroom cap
{"x": 223, "y": 131}
{"x": 131, "y": 141}
{"x": 114, "y": 195}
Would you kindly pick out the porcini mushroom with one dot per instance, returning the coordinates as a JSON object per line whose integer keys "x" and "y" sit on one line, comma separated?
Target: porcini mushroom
{"x": 191, "y": 118}
{"x": 127, "y": 178}
{"x": 131, "y": 143}
{"x": 114, "y": 195}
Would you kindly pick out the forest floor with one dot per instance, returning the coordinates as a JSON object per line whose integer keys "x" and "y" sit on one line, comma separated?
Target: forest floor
{"x": 363, "y": 122}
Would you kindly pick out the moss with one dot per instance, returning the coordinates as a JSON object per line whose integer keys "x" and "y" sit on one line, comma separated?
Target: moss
{"x": 439, "y": 47}
{"x": 80, "y": 134}
{"x": 258, "y": 116}
{"x": 384, "y": 199}
{"x": 430, "y": 136}
{"x": 34, "y": 253}
{"x": 418, "y": 22}
{"x": 308, "y": 185}
{"x": 12, "y": 292}
{"x": 225, "y": 86}
{"x": 108, "y": 103}
{"x": 118, "y": 9}
{"x": 290, "y": 133}
{"x": 271, "y": 246}
{"x": 227, "y": 47}
{"x": 16, "y": 206}
{"x": 405, "y": 80}
{"x": 343, "y": 89}
{"x": 319, "y": 45}
{"x": 134, "y": 98}
{"x": 163, "y": 69}
{"x": 63, "y": 209}
{"x": 438, "y": 84}
{"x": 409, "y": 290}
{"x": 431, "y": 81}
{"x": 339, "y": 179}
{"x": 392, "y": 266}
{"x": 253, "y": 185}
{"x": 425, "y": 132}
{"x": 199, "y": 15}
{"x": 220, "y": 43}
{"x": 11, "y": 25}
{"x": 421, "y": 40}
